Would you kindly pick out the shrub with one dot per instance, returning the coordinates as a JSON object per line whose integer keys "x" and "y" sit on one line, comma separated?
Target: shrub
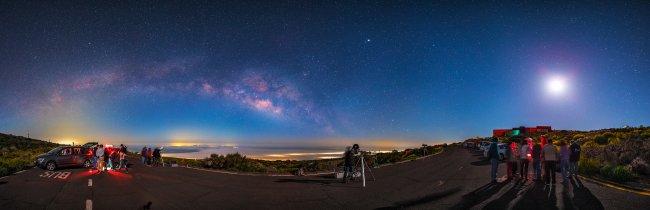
{"x": 589, "y": 166}
{"x": 601, "y": 139}
{"x": 639, "y": 166}
{"x": 4, "y": 171}
{"x": 606, "y": 170}
{"x": 620, "y": 174}
{"x": 578, "y": 136}
{"x": 645, "y": 135}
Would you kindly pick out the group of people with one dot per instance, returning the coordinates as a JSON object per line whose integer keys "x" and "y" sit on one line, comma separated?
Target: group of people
{"x": 543, "y": 154}
{"x": 151, "y": 157}
{"x": 109, "y": 158}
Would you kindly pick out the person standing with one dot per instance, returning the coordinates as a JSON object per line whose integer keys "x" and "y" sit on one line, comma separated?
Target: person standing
{"x": 143, "y": 155}
{"x": 107, "y": 158}
{"x": 94, "y": 150}
{"x": 99, "y": 155}
{"x": 156, "y": 156}
{"x": 574, "y": 158}
{"x": 549, "y": 154}
{"x": 123, "y": 163}
{"x": 524, "y": 152}
{"x": 537, "y": 162}
{"x": 149, "y": 156}
{"x": 347, "y": 164}
{"x": 493, "y": 155}
{"x": 564, "y": 161}
{"x": 511, "y": 160}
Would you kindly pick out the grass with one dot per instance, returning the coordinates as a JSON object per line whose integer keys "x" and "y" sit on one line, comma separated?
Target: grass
{"x": 19, "y": 153}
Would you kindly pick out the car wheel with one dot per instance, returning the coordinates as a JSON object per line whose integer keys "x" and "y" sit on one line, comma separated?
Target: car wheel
{"x": 87, "y": 164}
{"x": 50, "y": 166}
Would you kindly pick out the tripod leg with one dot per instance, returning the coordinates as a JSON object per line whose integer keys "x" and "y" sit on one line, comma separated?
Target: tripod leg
{"x": 363, "y": 173}
{"x": 369, "y": 170}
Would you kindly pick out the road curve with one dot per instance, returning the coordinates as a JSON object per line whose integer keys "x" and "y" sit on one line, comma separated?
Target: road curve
{"x": 454, "y": 179}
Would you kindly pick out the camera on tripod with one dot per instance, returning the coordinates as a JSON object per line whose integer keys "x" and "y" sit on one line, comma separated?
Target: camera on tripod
{"x": 355, "y": 164}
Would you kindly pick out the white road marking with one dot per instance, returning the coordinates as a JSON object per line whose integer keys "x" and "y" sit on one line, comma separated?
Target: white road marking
{"x": 63, "y": 175}
{"x": 89, "y": 204}
{"x": 56, "y": 174}
{"x": 90, "y": 182}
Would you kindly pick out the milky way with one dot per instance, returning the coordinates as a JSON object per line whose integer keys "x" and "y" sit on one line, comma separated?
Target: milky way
{"x": 318, "y": 72}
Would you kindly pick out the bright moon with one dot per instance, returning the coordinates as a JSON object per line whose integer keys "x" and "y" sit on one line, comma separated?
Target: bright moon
{"x": 556, "y": 85}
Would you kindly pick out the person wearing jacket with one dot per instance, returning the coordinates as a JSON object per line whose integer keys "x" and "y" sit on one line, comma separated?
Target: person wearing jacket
{"x": 524, "y": 152}
{"x": 574, "y": 158}
{"x": 149, "y": 156}
{"x": 511, "y": 159}
{"x": 537, "y": 162}
{"x": 143, "y": 155}
{"x": 564, "y": 161}
{"x": 123, "y": 161}
{"x": 549, "y": 154}
{"x": 99, "y": 154}
{"x": 493, "y": 155}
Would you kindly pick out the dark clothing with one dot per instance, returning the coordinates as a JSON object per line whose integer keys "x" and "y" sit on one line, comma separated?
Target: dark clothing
{"x": 537, "y": 152}
{"x": 347, "y": 167}
{"x": 156, "y": 153}
{"x": 106, "y": 156}
{"x": 348, "y": 158}
{"x": 143, "y": 153}
{"x": 524, "y": 168}
{"x": 549, "y": 172}
{"x": 493, "y": 152}
{"x": 575, "y": 152}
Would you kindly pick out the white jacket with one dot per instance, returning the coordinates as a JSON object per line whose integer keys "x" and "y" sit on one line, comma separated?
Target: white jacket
{"x": 100, "y": 152}
{"x": 524, "y": 151}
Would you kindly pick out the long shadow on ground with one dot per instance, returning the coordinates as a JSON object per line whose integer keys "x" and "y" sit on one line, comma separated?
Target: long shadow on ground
{"x": 583, "y": 198}
{"x": 538, "y": 197}
{"x": 422, "y": 200}
{"x": 477, "y": 196}
{"x": 508, "y": 196}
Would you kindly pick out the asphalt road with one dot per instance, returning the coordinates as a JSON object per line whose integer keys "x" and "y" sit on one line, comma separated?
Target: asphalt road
{"x": 456, "y": 179}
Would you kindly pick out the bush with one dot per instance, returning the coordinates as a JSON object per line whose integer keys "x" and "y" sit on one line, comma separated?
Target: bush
{"x": 4, "y": 171}
{"x": 589, "y": 166}
{"x": 602, "y": 140}
{"x": 639, "y": 166}
{"x": 617, "y": 173}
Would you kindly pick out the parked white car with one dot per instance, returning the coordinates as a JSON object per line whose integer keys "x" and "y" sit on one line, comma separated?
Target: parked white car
{"x": 483, "y": 145}
{"x": 501, "y": 149}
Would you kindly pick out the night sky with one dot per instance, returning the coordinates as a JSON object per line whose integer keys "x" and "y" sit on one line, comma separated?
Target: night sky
{"x": 307, "y": 71}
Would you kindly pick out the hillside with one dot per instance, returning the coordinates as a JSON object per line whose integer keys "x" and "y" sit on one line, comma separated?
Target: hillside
{"x": 18, "y": 153}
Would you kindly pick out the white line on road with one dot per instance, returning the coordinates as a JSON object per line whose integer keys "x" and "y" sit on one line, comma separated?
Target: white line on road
{"x": 89, "y": 204}
{"x": 90, "y": 182}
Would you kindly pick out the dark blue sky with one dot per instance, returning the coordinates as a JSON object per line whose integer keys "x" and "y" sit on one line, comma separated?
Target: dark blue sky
{"x": 254, "y": 72}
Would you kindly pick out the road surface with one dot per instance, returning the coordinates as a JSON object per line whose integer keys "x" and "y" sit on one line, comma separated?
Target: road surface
{"x": 455, "y": 179}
